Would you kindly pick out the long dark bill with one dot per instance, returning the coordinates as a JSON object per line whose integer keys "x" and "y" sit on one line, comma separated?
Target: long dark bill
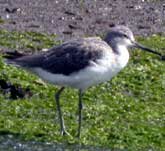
{"x": 137, "y": 45}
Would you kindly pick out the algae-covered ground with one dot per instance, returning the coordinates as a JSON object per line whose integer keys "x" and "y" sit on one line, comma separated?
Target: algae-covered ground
{"x": 126, "y": 113}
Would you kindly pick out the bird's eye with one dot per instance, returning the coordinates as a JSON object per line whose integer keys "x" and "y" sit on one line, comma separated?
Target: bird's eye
{"x": 125, "y": 36}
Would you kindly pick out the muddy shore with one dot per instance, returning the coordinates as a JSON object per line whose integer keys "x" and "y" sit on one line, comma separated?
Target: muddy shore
{"x": 74, "y": 18}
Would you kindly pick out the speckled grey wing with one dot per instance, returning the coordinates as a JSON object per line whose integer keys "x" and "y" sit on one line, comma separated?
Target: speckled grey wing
{"x": 26, "y": 61}
{"x": 72, "y": 56}
{"x": 67, "y": 58}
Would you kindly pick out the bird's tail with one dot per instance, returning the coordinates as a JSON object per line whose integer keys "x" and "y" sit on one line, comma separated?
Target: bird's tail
{"x": 12, "y": 56}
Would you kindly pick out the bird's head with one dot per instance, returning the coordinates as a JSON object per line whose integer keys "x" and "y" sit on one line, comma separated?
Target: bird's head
{"x": 123, "y": 36}
{"x": 120, "y": 35}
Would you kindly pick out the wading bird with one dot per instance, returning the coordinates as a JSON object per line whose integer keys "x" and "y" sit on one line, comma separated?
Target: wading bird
{"x": 80, "y": 63}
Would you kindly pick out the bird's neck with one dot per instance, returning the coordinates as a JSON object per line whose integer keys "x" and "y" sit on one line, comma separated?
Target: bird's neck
{"x": 120, "y": 51}
{"x": 122, "y": 55}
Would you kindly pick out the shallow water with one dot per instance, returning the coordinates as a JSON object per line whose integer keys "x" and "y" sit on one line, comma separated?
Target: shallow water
{"x": 9, "y": 143}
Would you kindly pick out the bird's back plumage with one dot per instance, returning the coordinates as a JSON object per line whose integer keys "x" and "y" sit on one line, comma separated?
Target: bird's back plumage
{"x": 67, "y": 58}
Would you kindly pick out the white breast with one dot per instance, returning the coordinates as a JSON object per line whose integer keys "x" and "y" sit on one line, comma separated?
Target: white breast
{"x": 104, "y": 69}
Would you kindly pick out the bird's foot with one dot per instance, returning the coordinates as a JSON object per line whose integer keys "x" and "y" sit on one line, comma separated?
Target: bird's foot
{"x": 65, "y": 133}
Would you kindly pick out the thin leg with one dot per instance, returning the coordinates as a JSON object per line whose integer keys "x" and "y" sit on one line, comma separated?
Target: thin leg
{"x": 80, "y": 106}
{"x": 62, "y": 125}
